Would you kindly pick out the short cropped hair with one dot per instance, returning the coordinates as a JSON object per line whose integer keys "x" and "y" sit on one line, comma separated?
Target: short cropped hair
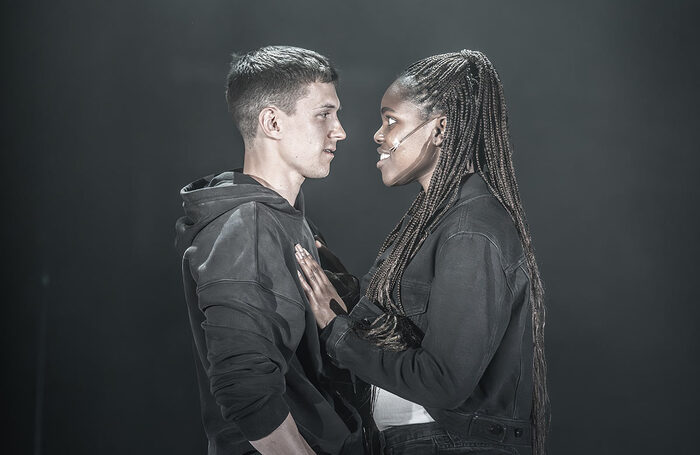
{"x": 272, "y": 75}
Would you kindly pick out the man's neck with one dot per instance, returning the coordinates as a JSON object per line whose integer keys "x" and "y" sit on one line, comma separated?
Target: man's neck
{"x": 272, "y": 173}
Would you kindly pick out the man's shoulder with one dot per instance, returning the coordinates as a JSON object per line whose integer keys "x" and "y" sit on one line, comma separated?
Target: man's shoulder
{"x": 238, "y": 223}
{"x": 244, "y": 222}
{"x": 242, "y": 244}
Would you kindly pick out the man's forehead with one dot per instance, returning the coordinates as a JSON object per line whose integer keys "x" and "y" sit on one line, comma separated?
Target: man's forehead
{"x": 320, "y": 94}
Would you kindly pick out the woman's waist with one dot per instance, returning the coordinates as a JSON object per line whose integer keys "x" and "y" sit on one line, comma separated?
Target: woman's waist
{"x": 482, "y": 426}
{"x": 389, "y": 410}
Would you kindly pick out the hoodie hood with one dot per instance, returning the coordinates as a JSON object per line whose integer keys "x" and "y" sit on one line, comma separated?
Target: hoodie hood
{"x": 209, "y": 197}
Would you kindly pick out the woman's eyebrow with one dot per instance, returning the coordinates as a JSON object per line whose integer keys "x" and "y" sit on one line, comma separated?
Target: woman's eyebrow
{"x": 386, "y": 109}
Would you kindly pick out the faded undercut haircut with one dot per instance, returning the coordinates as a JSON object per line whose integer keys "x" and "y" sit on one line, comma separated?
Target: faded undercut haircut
{"x": 272, "y": 76}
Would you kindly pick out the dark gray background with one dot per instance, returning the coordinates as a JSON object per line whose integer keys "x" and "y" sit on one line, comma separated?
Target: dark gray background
{"x": 110, "y": 108}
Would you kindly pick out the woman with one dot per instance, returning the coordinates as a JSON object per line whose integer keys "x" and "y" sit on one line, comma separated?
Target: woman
{"x": 450, "y": 327}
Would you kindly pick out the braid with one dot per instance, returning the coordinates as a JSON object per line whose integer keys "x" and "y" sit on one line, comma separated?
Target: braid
{"x": 500, "y": 178}
{"x": 465, "y": 88}
{"x": 444, "y": 91}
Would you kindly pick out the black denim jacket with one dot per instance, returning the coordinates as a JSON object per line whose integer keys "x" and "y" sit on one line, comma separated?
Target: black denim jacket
{"x": 468, "y": 290}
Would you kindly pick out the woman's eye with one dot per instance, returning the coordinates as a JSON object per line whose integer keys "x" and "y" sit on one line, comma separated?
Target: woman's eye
{"x": 390, "y": 121}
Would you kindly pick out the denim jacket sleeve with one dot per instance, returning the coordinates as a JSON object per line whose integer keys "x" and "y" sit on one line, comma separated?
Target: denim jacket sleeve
{"x": 467, "y": 315}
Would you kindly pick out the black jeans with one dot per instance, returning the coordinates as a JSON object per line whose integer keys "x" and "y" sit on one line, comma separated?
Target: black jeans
{"x": 432, "y": 438}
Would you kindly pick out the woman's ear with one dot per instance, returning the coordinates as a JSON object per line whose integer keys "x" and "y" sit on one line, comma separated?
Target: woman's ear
{"x": 268, "y": 122}
{"x": 439, "y": 131}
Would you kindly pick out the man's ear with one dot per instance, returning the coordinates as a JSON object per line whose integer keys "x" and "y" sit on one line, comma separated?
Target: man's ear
{"x": 268, "y": 122}
{"x": 439, "y": 131}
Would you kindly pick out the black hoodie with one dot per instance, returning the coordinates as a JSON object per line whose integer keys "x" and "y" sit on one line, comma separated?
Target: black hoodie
{"x": 256, "y": 342}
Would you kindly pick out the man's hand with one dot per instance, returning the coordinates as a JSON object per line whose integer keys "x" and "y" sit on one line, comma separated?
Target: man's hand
{"x": 323, "y": 298}
{"x": 284, "y": 440}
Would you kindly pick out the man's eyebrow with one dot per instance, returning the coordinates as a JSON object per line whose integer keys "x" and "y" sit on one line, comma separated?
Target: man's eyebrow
{"x": 329, "y": 106}
{"x": 386, "y": 109}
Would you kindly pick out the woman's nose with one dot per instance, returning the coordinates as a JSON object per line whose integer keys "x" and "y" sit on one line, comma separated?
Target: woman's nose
{"x": 379, "y": 137}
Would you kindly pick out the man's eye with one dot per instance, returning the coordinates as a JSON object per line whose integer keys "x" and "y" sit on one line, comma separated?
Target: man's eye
{"x": 325, "y": 114}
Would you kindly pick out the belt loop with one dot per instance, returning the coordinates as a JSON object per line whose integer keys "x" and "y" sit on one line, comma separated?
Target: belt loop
{"x": 382, "y": 442}
{"x": 452, "y": 440}
{"x": 469, "y": 424}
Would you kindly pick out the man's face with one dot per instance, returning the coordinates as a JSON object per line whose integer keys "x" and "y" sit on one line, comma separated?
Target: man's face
{"x": 312, "y": 131}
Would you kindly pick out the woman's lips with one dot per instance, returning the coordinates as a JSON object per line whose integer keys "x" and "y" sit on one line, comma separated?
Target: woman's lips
{"x": 383, "y": 156}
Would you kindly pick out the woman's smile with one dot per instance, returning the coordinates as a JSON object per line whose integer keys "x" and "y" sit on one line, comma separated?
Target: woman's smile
{"x": 383, "y": 156}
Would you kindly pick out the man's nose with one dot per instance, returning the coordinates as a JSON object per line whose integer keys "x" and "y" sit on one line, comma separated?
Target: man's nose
{"x": 338, "y": 132}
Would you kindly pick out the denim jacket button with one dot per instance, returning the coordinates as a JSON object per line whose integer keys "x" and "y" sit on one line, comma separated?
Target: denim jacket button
{"x": 495, "y": 429}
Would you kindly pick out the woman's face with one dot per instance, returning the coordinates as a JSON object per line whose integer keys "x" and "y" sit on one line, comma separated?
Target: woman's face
{"x": 408, "y": 145}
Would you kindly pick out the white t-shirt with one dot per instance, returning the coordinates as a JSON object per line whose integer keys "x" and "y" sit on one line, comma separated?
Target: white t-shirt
{"x": 390, "y": 410}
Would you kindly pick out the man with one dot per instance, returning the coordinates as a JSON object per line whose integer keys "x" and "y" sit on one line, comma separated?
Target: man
{"x": 258, "y": 358}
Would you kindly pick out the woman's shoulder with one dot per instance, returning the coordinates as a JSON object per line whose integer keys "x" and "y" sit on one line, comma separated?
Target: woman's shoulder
{"x": 480, "y": 214}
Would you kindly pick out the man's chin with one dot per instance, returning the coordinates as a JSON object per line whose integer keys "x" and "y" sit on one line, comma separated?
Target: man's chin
{"x": 318, "y": 173}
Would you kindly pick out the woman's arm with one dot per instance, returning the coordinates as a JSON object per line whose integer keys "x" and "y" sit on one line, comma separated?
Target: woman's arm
{"x": 467, "y": 316}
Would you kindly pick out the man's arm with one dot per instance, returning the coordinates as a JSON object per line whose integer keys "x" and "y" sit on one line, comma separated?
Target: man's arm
{"x": 250, "y": 330}
{"x": 248, "y": 341}
{"x": 245, "y": 366}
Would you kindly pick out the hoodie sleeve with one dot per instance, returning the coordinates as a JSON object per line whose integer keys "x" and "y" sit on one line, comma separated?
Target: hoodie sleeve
{"x": 252, "y": 324}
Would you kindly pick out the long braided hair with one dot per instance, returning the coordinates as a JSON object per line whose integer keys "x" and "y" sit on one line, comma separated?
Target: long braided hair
{"x": 465, "y": 88}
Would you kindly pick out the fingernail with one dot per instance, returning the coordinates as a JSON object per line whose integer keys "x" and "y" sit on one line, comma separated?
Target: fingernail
{"x": 297, "y": 247}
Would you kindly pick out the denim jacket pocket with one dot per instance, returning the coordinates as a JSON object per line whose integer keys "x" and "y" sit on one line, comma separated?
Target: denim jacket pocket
{"x": 414, "y": 296}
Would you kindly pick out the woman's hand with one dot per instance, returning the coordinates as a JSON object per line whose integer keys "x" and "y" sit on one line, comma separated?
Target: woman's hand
{"x": 323, "y": 298}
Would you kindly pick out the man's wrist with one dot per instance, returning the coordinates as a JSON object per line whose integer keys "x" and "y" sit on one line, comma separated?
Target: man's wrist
{"x": 284, "y": 439}
{"x": 262, "y": 422}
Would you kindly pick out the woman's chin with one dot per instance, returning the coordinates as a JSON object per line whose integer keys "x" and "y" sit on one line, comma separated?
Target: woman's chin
{"x": 390, "y": 179}
{"x": 387, "y": 180}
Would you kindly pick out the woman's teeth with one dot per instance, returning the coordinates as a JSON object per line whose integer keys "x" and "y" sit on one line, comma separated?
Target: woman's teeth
{"x": 383, "y": 156}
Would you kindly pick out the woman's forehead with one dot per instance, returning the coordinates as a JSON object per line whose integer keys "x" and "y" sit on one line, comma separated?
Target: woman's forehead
{"x": 395, "y": 101}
